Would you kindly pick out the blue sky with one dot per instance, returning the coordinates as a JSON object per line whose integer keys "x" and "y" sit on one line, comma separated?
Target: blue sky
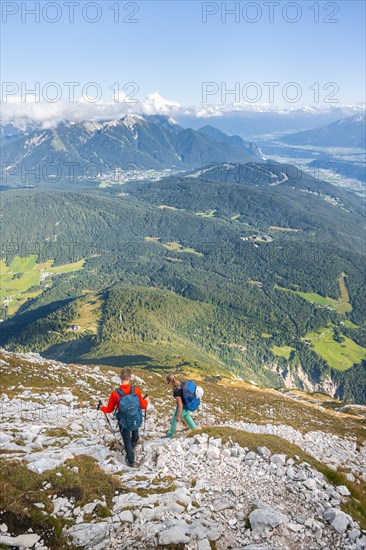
{"x": 171, "y": 51}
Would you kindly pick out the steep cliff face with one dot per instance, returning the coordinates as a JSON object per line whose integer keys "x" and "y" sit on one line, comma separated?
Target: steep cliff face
{"x": 293, "y": 376}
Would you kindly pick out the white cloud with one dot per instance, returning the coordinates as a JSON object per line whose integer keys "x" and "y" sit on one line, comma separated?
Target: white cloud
{"x": 155, "y": 104}
{"x": 49, "y": 114}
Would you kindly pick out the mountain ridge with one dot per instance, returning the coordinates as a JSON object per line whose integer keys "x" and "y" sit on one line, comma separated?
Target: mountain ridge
{"x": 131, "y": 143}
{"x": 346, "y": 132}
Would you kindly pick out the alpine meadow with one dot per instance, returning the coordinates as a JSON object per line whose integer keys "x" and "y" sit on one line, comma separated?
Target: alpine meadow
{"x": 182, "y": 266}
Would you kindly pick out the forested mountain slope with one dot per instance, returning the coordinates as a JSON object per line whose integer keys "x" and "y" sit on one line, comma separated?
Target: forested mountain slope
{"x": 264, "y": 276}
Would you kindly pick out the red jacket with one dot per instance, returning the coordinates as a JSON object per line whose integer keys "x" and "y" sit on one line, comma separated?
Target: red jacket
{"x": 113, "y": 400}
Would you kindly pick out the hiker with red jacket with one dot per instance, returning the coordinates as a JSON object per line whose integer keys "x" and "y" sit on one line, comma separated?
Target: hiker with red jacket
{"x": 127, "y": 400}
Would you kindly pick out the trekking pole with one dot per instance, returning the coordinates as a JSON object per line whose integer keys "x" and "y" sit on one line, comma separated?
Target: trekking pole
{"x": 143, "y": 434}
{"x": 111, "y": 428}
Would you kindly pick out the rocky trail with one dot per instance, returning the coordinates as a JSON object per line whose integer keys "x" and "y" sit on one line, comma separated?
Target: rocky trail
{"x": 231, "y": 484}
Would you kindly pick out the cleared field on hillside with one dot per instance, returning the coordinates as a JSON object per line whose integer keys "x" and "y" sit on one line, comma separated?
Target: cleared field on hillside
{"x": 283, "y": 351}
{"x": 209, "y": 214}
{"x": 22, "y": 279}
{"x": 173, "y": 246}
{"x": 339, "y": 355}
{"x": 89, "y": 313}
{"x": 66, "y": 268}
{"x": 276, "y": 228}
{"x": 342, "y": 305}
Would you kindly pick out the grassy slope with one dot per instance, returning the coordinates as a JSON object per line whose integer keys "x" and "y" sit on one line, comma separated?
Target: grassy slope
{"x": 225, "y": 399}
{"x": 20, "y": 488}
{"x": 228, "y": 398}
{"x": 186, "y": 272}
{"x": 22, "y": 274}
{"x": 341, "y": 305}
{"x": 339, "y": 355}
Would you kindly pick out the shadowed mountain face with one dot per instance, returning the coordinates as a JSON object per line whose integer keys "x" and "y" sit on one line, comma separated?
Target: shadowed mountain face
{"x": 347, "y": 132}
{"x": 132, "y": 143}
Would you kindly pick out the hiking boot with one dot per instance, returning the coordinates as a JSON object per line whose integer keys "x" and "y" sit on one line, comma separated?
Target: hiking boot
{"x": 167, "y": 436}
{"x": 129, "y": 464}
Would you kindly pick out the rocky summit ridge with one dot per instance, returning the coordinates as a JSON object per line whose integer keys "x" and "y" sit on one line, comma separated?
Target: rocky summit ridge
{"x": 233, "y": 483}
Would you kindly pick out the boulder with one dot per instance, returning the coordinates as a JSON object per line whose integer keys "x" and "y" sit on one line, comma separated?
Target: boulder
{"x": 278, "y": 459}
{"x": 173, "y": 535}
{"x": 310, "y": 484}
{"x": 264, "y": 452}
{"x": 204, "y": 544}
{"x": 235, "y": 451}
{"x": 217, "y": 442}
{"x": 300, "y": 476}
{"x": 76, "y": 427}
{"x": 341, "y": 521}
{"x": 59, "y": 503}
{"x": 200, "y": 439}
{"x": 125, "y": 516}
{"x": 89, "y": 508}
{"x": 250, "y": 456}
{"x": 343, "y": 490}
{"x": 180, "y": 495}
{"x": 89, "y": 535}
{"x": 263, "y": 519}
{"x": 21, "y": 541}
{"x": 205, "y": 528}
{"x": 126, "y": 500}
{"x": 43, "y": 464}
{"x": 354, "y": 534}
{"x": 213, "y": 453}
{"x": 338, "y": 519}
{"x": 295, "y": 527}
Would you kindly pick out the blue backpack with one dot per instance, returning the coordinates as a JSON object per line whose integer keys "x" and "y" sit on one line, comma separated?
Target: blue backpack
{"x": 191, "y": 402}
{"x": 129, "y": 414}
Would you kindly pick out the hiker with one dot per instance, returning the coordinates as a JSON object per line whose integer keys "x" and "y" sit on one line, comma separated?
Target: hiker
{"x": 128, "y": 413}
{"x": 181, "y": 412}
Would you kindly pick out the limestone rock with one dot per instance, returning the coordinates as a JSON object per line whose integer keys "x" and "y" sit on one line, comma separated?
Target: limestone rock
{"x": 21, "y": 541}
{"x": 204, "y": 544}
{"x": 264, "y": 452}
{"x": 213, "y": 453}
{"x": 343, "y": 490}
{"x": 250, "y": 456}
{"x": 125, "y": 516}
{"x": 264, "y": 519}
{"x": 278, "y": 459}
{"x": 89, "y": 535}
{"x": 339, "y": 520}
{"x": 173, "y": 535}
{"x": 310, "y": 483}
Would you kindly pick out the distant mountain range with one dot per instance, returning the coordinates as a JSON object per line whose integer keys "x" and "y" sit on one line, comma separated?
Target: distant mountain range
{"x": 133, "y": 142}
{"x": 263, "y": 124}
{"x": 347, "y": 132}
